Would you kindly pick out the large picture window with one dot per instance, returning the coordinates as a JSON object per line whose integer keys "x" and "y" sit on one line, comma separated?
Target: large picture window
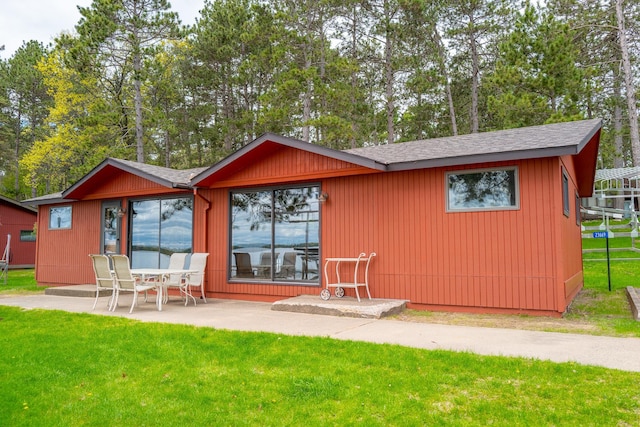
{"x": 275, "y": 235}
{"x": 158, "y": 229}
{"x": 489, "y": 189}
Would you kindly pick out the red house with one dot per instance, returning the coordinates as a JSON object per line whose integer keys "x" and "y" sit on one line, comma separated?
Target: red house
{"x": 483, "y": 222}
{"x": 17, "y": 221}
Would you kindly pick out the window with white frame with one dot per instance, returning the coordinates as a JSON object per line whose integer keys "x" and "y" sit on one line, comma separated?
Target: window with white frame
{"x": 59, "y": 217}
{"x": 483, "y": 189}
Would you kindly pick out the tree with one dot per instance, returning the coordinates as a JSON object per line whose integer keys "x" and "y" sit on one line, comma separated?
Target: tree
{"x": 632, "y": 106}
{"x": 427, "y": 89}
{"x": 115, "y": 37}
{"x": 78, "y": 134}
{"x": 26, "y": 103}
{"x": 536, "y": 79}
{"x": 474, "y": 28}
{"x": 594, "y": 26}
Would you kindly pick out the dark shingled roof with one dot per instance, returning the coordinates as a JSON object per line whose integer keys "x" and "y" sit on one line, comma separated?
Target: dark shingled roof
{"x": 174, "y": 177}
{"x": 17, "y": 204}
{"x": 523, "y": 143}
{"x": 47, "y": 199}
{"x": 170, "y": 178}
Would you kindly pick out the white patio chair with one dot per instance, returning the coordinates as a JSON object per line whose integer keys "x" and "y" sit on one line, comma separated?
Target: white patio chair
{"x": 126, "y": 282}
{"x": 104, "y": 279}
{"x": 196, "y": 280}
{"x": 176, "y": 262}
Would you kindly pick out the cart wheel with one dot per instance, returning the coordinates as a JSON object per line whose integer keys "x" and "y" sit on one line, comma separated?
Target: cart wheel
{"x": 325, "y": 294}
{"x": 339, "y": 292}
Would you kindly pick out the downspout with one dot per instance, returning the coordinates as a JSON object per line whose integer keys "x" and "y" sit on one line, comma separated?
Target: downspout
{"x": 124, "y": 228}
{"x": 205, "y": 218}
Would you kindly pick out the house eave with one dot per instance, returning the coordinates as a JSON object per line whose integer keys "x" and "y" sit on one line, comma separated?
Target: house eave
{"x": 483, "y": 158}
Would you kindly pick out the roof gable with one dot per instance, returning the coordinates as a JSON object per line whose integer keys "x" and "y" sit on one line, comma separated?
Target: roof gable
{"x": 104, "y": 172}
{"x": 269, "y": 144}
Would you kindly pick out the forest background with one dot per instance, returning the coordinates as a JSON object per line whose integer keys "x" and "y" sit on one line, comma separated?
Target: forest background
{"x": 132, "y": 82}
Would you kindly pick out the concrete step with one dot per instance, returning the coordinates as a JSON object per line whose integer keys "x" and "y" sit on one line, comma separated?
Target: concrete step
{"x": 76, "y": 291}
{"x": 311, "y": 304}
{"x": 345, "y": 307}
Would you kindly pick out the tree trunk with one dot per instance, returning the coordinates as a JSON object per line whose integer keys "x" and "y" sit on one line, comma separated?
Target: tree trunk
{"x": 628, "y": 79}
{"x": 475, "y": 78}
{"x": 389, "y": 79}
{"x": 445, "y": 75}
{"x": 137, "y": 67}
{"x": 354, "y": 78}
{"x": 618, "y": 158}
{"x": 167, "y": 150}
{"x": 17, "y": 153}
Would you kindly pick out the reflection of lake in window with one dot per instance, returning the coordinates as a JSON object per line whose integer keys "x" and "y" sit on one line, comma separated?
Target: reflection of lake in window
{"x": 160, "y": 228}
{"x": 487, "y": 189}
{"x": 280, "y": 225}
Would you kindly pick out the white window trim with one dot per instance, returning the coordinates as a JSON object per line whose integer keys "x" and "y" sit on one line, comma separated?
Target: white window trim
{"x": 516, "y": 176}
{"x": 70, "y": 218}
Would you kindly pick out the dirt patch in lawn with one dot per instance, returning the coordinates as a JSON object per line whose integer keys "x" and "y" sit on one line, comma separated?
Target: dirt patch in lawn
{"x": 581, "y": 324}
{"x": 532, "y": 323}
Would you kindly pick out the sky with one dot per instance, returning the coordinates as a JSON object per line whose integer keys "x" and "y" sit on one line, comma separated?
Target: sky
{"x": 43, "y": 20}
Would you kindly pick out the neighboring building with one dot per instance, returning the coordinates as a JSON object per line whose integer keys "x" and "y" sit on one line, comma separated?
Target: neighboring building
{"x": 484, "y": 222}
{"x": 18, "y": 221}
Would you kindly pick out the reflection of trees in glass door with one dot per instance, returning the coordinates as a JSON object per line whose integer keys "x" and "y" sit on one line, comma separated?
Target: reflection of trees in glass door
{"x": 110, "y": 228}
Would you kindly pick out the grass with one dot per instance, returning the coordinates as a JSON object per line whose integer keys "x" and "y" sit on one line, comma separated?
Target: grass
{"x": 60, "y": 369}
{"x": 20, "y": 282}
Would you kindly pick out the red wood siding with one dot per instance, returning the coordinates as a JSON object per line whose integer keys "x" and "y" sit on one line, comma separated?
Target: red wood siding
{"x": 124, "y": 184}
{"x": 526, "y": 260}
{"x": 289, "y": 165}
{"x": 13, "y": 219}
{"x": 570, "y": 242}
{"x": 494, "y": 260}
{"x": 63, "y": 254}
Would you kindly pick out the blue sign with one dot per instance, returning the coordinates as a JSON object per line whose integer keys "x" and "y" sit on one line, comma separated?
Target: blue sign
{"x": 600, "y": 234}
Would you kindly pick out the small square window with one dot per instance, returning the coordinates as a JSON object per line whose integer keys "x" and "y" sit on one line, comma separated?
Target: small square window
{"x": 60, "y": 218}
{"x": 27, "y": 236}
{"x": 477, "y": 190}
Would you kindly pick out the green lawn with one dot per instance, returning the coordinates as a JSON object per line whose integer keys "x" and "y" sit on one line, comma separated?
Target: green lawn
{"x": 61, "y": 369}
{"x": 19, "y": 282}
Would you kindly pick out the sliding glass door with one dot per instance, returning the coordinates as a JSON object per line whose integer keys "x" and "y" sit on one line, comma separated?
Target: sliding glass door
{"x": 160, "y": 227}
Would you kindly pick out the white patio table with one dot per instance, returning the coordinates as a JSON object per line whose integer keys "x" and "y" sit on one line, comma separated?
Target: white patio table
{"x": 162, "y": 274}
